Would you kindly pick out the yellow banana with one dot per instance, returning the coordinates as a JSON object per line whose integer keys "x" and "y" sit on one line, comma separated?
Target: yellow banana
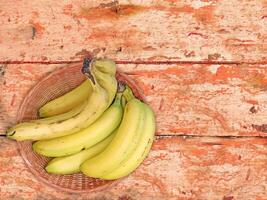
{"x": 79, "y": 94}
{"x": 96, "y": 104}
{"x": 120, "y": 146}
{"x": 128, "y": 93}
{"x": 105, "y": 65}
{"x": 108, "y": 82}
{"x": 71, "y": 164}
{"x": 85, "y": 138}
{"x": 139, "y": 154}
{"x": 61, "y": 117}
{"x": 67, "y": 101}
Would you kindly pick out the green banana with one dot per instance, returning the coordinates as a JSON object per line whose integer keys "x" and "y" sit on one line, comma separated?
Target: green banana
{"x": 120, "y": 146}
{"x": 96, "y": 104}
{"x": 139, "y": 154}
{"x": 85, "y": 138}
{"x": 67, "y": 101}
{"x": 71, "y": 164}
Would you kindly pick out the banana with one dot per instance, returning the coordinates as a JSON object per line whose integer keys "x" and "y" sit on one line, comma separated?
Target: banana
{"x": 128, "y": 93}
{"x": 66, "y": 102}
{"x": 71, "y": 164}
{"x": 79, "y": 94}
{"x": 85, "y": 138}
{"x": 105, "y": 80}
{"x": 139, "y": 154}
{"x": 105, "y": 65}
{"x": 120, "y": 146}
{"x": 61, "y": 117}
{"x": 108, "y": 82}
{"x": 96, "y": 104}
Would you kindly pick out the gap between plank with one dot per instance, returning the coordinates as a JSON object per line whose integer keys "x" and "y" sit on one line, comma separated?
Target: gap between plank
{"x": 208, "y": 136}
{"x": 144, "y": 62}
{"x": 3, "y": 135}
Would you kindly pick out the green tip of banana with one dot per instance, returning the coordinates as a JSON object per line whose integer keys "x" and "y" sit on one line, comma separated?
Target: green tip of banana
{"x": 118, "y": 96}
{"x": 49, "y": 169}
{"x": 123, "y": 102}
{"x": 128, "y": 93}
{"x": 16, "y": 131}
{"x": 41, "y": 113}
{"x": 10, "y": 133}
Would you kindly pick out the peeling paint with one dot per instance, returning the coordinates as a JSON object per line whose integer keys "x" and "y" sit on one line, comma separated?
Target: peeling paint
{"x": 219, "y": 30}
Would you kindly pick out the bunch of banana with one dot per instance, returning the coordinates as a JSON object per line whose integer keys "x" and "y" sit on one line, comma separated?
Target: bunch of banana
{"x": 97, "y": 128}
{"x": 77, "y": 118}
{"x": 130, "y": 145}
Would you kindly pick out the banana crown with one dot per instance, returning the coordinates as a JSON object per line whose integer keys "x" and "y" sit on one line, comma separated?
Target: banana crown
{"x": 99, "y": 70}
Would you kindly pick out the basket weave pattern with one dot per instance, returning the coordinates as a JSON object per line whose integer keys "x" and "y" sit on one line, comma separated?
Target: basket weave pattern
{"x": 52, "y": 86}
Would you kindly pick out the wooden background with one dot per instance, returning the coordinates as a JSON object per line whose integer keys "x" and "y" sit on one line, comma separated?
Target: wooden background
{"x": 202, "y": 65}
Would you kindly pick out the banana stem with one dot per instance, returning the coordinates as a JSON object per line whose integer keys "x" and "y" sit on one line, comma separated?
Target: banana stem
{"x": 128, "y": 94}
{"x": 87, "y": 69}
{"x": 123, "y": 102}
{"x": 121, "y": 86}
{"x": 118, "y": 96}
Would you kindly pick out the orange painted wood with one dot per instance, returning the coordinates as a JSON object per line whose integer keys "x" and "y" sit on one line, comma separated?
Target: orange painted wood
{"x": 210, "y": 30}
{"x": 176, "y": 168}
{"x": 188, "y": 99}
{"x": 199, "y": 99}
{"x": 16, "y": 82}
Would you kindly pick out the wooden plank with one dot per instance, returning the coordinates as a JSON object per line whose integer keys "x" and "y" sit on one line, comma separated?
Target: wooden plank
{"x": 16, "y": 82}
{"x": 199, "y": 99}
{"x": 177, "y": 168}
{"x": 186, "y": 30}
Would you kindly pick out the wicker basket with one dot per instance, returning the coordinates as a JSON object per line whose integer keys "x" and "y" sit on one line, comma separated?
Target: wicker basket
{"x": 52, "y": 86}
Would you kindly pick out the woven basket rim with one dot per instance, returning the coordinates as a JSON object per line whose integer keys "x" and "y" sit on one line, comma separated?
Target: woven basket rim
{"x": 137, "y": 91}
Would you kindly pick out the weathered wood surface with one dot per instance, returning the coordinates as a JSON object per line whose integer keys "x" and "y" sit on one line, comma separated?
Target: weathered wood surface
{"x": 189, "y": 99}
{"x": 177, "y": 168}
{"x": 212, "y": 99}
{"x": 210, "y": 30}
{"x": 16, "y": 81}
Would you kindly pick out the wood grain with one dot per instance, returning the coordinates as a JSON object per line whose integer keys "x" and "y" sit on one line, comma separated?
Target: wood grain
{"x": 176, "y": 168}
{"x": 208, "y": 92}
{"x": 188, "y": 99}
{"x": 166, "y": 30}
{"x": 16, "y": 82}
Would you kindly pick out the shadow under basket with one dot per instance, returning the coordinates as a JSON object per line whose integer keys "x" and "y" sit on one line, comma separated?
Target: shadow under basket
{"x": 54, "y": 85}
